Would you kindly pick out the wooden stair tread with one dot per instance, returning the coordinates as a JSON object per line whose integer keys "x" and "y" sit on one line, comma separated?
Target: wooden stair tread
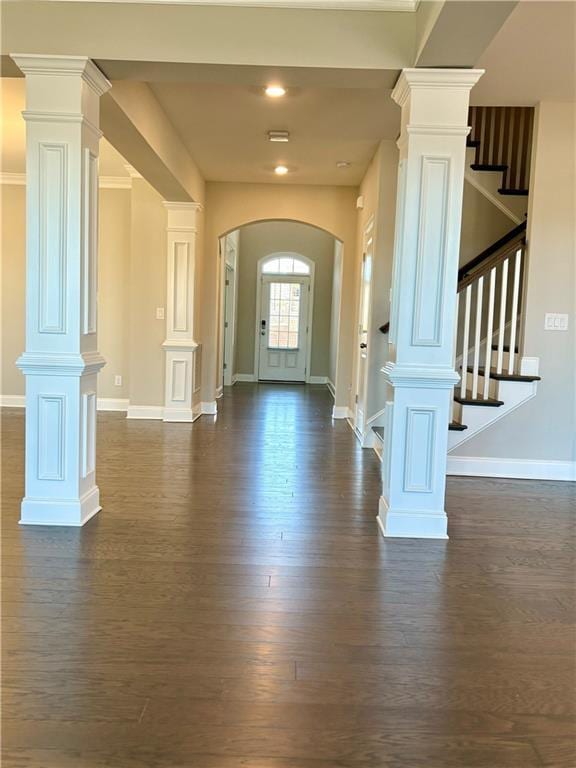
{"x": 489, "y": 402}
{"x": 456, "y": 426}
{"x": 503, "y": 376}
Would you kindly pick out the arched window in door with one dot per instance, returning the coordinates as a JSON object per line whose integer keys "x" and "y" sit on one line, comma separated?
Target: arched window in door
{"x": 285, "y": 265}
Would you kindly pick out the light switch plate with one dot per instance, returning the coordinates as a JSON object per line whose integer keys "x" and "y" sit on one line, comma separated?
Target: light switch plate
{"x": 159, "y": 313}
{"x": 117, "y": 381}
{"x": 553, "y": 321}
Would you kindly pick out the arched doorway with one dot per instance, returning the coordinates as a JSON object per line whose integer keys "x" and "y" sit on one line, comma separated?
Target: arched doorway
{"x": 279, "y": 297}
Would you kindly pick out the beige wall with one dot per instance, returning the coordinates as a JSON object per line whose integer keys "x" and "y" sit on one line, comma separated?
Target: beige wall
{"x": 229, "y": 206}
{"x": 378, "y": 189}
{"x": 482, "y": 224}
{"x": 147, "y": 292}
{"x": 114, "y": 234}
{"x": 262, "y": 239}
{"x": 545, "y": 427}
{"x": 13, "y": 243}
{"x": 335, "y": 311}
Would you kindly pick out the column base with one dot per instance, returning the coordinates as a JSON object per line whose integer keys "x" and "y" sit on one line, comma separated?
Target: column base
{"x": 61, "y": 511}
{"x": 186, "y": 415}
{"x": 411, "y": 524}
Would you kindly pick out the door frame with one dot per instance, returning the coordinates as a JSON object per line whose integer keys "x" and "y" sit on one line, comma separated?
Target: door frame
{"x": 310, "y": 276}
{"x": 228, "y": 257}
{"x": 367, "y": 236}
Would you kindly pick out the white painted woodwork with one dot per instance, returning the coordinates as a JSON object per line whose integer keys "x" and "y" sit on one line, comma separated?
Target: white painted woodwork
{"x": 514, "y": 314}
{"x": 364, "y": 301}
{"x": 61, "y": 360}
{"x": 502, "y": 316}
{"x": 277, "y": 362}
{"x": 489, "y": 331}
{"x": 477, "y": 335}
{"x": 421, "y": 371}
{"x": 180, "y": 346}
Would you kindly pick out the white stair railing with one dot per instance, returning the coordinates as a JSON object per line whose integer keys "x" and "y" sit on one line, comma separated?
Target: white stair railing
{"x": 482, "y": 336}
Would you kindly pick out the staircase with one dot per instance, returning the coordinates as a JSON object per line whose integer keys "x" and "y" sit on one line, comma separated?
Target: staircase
{"x": 495, "y": 379}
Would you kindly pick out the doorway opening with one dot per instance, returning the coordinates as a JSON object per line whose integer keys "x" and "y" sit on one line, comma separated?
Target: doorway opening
{"x": 279, "y": 304}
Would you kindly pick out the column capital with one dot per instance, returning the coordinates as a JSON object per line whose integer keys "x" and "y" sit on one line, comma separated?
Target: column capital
{"x": 425, "y": 79}
{"x": 181, "y": 216}
{"x": 63, "y": 66}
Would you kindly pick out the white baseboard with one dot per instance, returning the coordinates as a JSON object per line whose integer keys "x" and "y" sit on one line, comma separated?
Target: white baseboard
{"x": 234, "y": 379}
{"x": 219, "y": 392}
{"x": 210, "y": 408}
{"x": 520, "y": 469}
{"x": 341, "y": 412}
{"x": 145, "y": 412}
{"x": 318, "y": 380}
{"x": 245, "y": 377}
{"x": 12, "y": 401}
{"x": 331, "y": 387}
{"x": 113, "y": 404}
{"x": 104, "y": 403}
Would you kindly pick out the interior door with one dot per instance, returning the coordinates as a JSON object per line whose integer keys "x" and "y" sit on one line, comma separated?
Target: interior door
{"x": 360, "y": 410}
{"x": 283, "y": 329}
{"x": 228, "y": 325}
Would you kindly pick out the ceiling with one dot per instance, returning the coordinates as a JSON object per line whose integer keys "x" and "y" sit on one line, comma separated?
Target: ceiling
{"x": 13, "y": 134}
{"x": 224, "y": 127}
{"x": 532, "y": 58}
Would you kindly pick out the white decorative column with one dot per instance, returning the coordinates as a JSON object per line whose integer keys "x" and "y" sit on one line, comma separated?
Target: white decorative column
{"x": 61, "y": 360}
{"x": 180, "y": 346}
{"x": 421, "y": 371}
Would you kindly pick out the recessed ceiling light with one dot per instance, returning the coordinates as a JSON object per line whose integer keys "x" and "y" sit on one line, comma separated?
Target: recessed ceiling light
{"x": 278, "y": 136}
{"x": 275, "y": 91}
{"x": 281, "y": 170}
{"x": 343, "y": 164}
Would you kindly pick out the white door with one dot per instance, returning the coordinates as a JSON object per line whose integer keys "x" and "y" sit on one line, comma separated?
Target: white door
{"x": 229, "y": 288}
{"x": 283, "y": 329}
{"x": 360, "y": 410}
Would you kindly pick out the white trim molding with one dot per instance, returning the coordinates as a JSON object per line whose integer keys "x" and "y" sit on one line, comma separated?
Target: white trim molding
{"x": 520, "y": 469}
{"x": 103, "y": 403}
{"x": 244, "y": 377}
{"x": 318, "y": 380}
{"x": 209, "y": 408}
{"x": 331, "y": 387}
{"x": 104, "y": 182}
{"x": 145, "y": 412}
{"x": 341, "y": 412}
{"x": 403, "y": 6}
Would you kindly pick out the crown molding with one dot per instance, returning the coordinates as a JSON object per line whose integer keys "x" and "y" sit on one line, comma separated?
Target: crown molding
{"x": 104, "y": 182}
{"x": 66, "y": 66}
{"x": 430, "y": 78}
{"x": 403, "y": 6}
{"x": 130, "y": 170}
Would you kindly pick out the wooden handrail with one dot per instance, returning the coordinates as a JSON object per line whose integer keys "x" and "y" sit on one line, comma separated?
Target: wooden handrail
{"x": 495, "y": 250}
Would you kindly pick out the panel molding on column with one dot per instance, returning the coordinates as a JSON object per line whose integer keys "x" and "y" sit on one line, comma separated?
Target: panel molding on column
{"x": 51, "y": 437}
{"x": 88, "y": 433}
{"x": 90, "y": 244}
{"x": 52, "y": 212}
{"x": 179, "y": 378}
{"x": 420, "y": 437}
{"x": 180, "y": 277}
{"x": 431, "y": 252}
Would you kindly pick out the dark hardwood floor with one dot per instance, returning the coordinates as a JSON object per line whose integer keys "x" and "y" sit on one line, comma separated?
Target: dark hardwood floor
{"x": 233, "y": 606}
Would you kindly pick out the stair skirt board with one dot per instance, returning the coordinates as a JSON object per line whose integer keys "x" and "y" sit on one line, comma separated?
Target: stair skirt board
{"x": 519, "y": 469}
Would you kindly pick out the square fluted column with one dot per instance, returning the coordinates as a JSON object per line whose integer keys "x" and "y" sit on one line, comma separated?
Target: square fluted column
{"x": 61, "y": 360}
{"x": 180, "y": 346}
{"x": 432, "y": 145}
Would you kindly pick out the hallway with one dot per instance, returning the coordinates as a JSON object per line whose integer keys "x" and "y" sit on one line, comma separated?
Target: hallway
{"x": 233, "y": 605}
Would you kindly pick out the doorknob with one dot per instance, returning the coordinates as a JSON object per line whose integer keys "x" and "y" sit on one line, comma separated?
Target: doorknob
{"x": 363, "y": 346}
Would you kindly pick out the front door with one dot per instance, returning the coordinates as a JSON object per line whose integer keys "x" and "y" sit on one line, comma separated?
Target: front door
{"x": 283, "y": 328}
